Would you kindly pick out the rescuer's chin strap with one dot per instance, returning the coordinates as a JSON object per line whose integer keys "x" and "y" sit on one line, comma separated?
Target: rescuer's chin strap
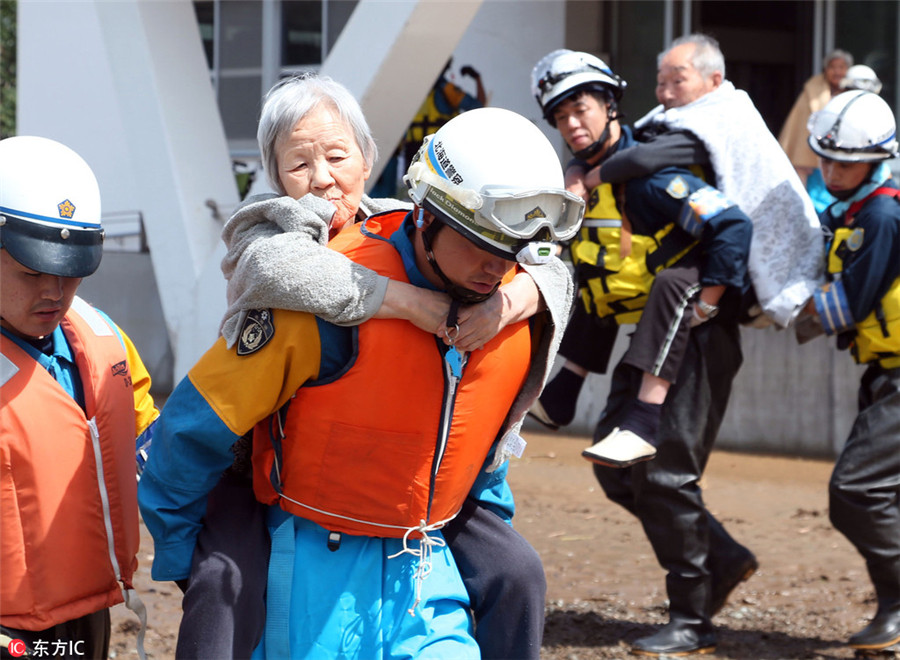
{"x": 592, "y": 150}
{"x": 457, "y": 292}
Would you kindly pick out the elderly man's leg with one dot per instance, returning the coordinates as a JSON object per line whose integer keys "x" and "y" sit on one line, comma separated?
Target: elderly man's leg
{"x": 225, "y": 601}
{"x": 505, "y": 580}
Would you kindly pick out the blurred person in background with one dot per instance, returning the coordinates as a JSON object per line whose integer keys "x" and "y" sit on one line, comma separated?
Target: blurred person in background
{"x": 794, "y": 136}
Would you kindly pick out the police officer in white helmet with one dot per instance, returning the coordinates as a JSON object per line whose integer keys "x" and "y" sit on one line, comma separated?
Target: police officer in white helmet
{"x": 76, "y": 406}
{"x": 653, "y": 195}
{"x": 854, "y": 136}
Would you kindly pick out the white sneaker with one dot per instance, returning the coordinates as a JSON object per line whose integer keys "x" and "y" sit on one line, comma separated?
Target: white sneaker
{"x": 620, "y": 449}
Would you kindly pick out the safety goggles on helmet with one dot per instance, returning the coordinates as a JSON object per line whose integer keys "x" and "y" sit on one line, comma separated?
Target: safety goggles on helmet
{"x": 524, "y": 213}
{"x": 501, "y": 219}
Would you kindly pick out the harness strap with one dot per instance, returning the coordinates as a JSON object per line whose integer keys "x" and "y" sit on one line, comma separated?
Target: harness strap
{"x": 625, "y": 234}
{"x": 134, "y": 603}
{"x": 858, "y": 204}
{"x": 278, "y": 588}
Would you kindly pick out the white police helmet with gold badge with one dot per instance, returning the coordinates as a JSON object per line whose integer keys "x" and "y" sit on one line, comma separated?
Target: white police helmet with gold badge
{"x": 49, "y": 207}
{"x": 494, "y": 177}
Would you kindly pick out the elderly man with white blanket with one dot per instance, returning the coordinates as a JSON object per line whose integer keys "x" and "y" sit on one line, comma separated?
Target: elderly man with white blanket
{"x": 787, "y": 252}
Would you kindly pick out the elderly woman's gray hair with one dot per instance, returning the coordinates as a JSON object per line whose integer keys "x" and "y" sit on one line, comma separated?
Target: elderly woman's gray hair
{"x": 707, "y": 57}
{"x": 290, "y": 100}
{"x": 837, "y": 54}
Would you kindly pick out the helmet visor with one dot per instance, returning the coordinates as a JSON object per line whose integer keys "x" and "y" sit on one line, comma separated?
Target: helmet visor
{"x": 44, "y": 248}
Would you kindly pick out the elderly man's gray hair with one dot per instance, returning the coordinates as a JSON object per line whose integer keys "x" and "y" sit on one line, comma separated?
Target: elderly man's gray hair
{"x": 291, "y": 100}
{"x": 707, "y": 57}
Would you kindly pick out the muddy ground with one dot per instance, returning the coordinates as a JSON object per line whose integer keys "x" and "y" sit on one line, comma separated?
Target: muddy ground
{"x": 604, "y": 585}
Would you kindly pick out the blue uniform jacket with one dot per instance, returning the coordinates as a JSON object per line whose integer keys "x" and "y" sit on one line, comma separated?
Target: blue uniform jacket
{"x": 722, "y": 230}
{"x": 868, "y": 271}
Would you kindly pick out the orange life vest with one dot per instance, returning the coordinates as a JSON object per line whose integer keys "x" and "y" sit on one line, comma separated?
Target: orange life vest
{"x": 68, "y": 485}
{"x": 368, "y": 453}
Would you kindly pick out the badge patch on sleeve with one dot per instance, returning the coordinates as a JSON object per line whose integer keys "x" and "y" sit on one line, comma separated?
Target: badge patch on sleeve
{"x": 677, "y": 188}
{"x": 256, "y": 331}
{"x": 855, "y": 239}
{"x": 702, "y": 205}
{"x": 708, "y": 202}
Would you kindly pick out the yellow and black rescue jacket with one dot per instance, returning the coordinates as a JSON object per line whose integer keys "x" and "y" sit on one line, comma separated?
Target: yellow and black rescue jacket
{"x": 878, "y": 335}
{"x": 614, "y": 267}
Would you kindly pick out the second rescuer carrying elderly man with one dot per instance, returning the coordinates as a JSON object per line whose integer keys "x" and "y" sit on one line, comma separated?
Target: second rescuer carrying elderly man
{"x": 359, "y": 492}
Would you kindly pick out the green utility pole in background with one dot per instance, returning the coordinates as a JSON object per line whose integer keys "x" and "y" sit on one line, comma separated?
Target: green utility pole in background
{"x": 7, "y": 68}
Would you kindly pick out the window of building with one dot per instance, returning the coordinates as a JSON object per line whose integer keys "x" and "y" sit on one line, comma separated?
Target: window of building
{"x": 250, "y": 45}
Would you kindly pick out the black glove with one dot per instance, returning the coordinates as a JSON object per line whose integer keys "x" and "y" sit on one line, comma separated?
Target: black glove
{"x": 469, "y": 71}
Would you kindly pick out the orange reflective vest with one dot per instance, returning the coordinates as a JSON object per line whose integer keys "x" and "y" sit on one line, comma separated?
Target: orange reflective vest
{"x": 395, "y": 442}
{"x": 68, "y": 487}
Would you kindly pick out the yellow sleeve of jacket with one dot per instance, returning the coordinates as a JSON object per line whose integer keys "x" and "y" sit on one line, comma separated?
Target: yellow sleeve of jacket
{"x": 244, "y": 389}
{"x": 145, "y": 410}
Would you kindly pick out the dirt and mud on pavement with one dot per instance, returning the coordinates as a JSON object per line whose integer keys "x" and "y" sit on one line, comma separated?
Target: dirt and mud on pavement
{"x": 604, "y": 585}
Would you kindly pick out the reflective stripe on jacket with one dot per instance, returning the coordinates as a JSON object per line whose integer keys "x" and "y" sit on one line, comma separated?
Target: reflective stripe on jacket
{"x": 396, "y": 441}
{"x": 69, "y": 531}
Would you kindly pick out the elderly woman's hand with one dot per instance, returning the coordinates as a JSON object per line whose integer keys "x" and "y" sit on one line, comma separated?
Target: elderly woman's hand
{"x": 424, "y": 308}
{"x": 511, "y": 303}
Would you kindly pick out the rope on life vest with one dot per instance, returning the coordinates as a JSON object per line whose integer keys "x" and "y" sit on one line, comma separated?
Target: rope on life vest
{"x": 423, "y": 553}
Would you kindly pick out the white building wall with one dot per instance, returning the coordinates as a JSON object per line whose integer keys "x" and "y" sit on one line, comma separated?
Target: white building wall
{"x": 126, "y": 85}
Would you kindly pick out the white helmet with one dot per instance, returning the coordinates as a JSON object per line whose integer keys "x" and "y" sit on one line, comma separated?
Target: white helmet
{"x": 860, "y": 76}
{"x": 855, "y": 126}
{"x": 563, "y": 72}
{"x": 49, "y": 207}
{"x": 494, "y": 177}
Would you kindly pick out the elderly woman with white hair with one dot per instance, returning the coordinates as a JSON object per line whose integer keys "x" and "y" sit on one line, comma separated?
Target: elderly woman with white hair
{"x": 318, "y": 153}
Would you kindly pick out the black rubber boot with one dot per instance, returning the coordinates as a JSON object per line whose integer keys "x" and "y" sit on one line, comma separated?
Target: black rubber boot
{"x": 881, "y": 633}
{"x": 689, "y": 630}
{"x": 729, "y": 562}
{"x": 884, "y": 630}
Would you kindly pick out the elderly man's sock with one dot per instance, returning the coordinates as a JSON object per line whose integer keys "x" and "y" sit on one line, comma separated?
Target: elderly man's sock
{"x": 643, "y": 420}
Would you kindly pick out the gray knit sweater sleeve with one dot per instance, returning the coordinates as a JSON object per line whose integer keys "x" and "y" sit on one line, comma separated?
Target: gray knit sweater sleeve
{"x": 555, "y": 283}
{"x": 277, "y": 257}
